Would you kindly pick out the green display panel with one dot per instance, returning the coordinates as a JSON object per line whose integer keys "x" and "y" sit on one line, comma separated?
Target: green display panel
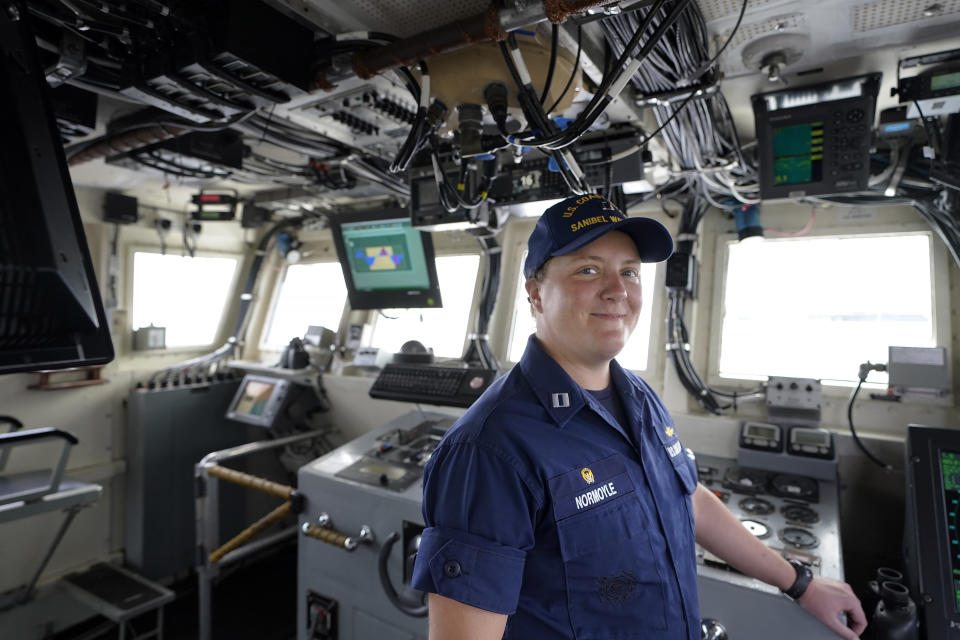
{"x": 950, "y": 474}
{"x": 945, "y": 81}
{"x": 798, "y": 154}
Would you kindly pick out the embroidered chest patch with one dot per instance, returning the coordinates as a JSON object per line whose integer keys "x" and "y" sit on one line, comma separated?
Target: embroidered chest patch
{"x": 619, "y": 588}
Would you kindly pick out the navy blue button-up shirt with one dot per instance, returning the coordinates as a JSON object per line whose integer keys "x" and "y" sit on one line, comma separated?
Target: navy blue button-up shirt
{"x": 554, "y": 513}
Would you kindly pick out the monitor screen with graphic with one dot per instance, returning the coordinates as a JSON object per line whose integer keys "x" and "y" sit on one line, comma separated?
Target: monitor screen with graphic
{"x": 258, "y": 400}
{"x": 387, "y": 263}
{"x": 254, "y": 399}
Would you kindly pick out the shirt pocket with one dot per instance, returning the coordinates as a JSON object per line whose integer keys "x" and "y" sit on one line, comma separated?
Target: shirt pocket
{"x": 614, "y": 589}
{"x": 685, "y": 470}
{"x": 681, "y": 459}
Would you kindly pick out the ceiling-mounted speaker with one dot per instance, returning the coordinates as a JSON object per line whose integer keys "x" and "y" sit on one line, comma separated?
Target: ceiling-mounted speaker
{"x": 773, "y": 53}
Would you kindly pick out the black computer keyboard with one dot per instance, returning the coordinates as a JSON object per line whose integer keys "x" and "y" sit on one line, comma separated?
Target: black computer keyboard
{"x": 452, "y": 386}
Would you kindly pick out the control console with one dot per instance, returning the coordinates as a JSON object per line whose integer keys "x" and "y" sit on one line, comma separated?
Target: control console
{"x": 396, "y": 460}
{"x": 794, "y": 514}
{"x": 372, "y": 485}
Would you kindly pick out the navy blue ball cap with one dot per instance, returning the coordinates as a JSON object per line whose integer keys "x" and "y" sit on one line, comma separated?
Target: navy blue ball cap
{"x": 579, "y": 220}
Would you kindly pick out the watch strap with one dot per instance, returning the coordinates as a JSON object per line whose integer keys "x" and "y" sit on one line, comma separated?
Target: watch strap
{"x": 804, "y": 577}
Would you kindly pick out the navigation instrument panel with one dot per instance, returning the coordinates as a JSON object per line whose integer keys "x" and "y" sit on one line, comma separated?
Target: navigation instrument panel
{"x": 950, "y": 475}
{"x": 931, "y": 544}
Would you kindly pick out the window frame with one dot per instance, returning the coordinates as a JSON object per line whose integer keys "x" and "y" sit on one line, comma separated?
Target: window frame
{"x": 220, "y": 336}
{"x": 274, "y": 300}
{"x": 375, "y": 317}
{"x": 940, "y": 285}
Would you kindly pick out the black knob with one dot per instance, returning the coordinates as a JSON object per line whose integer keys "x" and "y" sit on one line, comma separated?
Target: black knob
{"x": 894, "y": 594}
{"x": 384, "y": 480}
{"x": 886, "y": 574}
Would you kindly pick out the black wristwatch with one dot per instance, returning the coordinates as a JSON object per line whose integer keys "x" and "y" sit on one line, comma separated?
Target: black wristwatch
{"x": 804, "y": 576}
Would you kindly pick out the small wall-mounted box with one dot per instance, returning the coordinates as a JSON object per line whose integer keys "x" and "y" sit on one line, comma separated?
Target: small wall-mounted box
{"x": 151, "y": 337}
{"x": 919, "y": 369}
{"x": 794, "y": 393}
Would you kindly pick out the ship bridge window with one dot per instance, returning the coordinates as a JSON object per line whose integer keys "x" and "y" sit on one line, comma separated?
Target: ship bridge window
{"x": 634, "y": 355}
{"x": 444, "y": 330}
{"x": 310, "y": 294}
{"x": 818, "y": 307}
{"x": 186, "y": 296}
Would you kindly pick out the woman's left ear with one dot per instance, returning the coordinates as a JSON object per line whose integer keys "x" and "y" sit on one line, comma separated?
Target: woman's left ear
{"x": 533, "y": 293}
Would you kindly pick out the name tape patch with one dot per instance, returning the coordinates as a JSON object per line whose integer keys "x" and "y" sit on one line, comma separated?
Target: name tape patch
{"x": 592, "y": 496}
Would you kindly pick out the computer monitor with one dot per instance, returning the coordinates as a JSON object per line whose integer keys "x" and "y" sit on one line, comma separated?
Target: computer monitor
{"x": 932, "y": 529}
{"x": 258, "y": 400}
{"x": 386, "y": 262}
{"x": 51, "y": 314}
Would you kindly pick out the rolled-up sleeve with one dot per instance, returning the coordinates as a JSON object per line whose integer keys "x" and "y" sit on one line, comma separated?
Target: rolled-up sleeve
{"x": 479, "y": 513}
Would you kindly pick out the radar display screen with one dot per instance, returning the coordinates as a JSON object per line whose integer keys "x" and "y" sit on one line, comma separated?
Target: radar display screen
{"x": 950, "y": 468}
{"x": 798, "y": 154}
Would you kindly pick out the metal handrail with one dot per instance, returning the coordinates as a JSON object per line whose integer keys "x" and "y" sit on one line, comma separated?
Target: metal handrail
{"x": 32, "y": 436}
{"x": 208, "y": 472}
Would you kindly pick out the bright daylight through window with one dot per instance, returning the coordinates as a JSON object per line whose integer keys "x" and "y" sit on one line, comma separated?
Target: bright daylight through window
{"x": 818, "y": 307}
{"x": 311, "y": 294}
{"x": 185, "y": 295}
{"x": 634, "y": 355}
{"x": 444, "y": 329}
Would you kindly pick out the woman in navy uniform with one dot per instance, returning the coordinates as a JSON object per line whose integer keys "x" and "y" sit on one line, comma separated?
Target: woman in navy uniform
{"x": 562, "y": 504}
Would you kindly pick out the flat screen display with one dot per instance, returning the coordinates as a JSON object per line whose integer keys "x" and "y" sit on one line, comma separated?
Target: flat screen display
{"x": 259, "y": 400}
{"x": 945, "y": 81}
{"x": 254, "y": 398}
{"x": 798, "y": 154}
{"x": 811, "y": 437}
{"x": 950, "y": 479}
{"x": 762, "y": 431}
{"x": 51, "y": 313}
{"x": 387, "y": 262}
{"x": 931, "y": 546}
